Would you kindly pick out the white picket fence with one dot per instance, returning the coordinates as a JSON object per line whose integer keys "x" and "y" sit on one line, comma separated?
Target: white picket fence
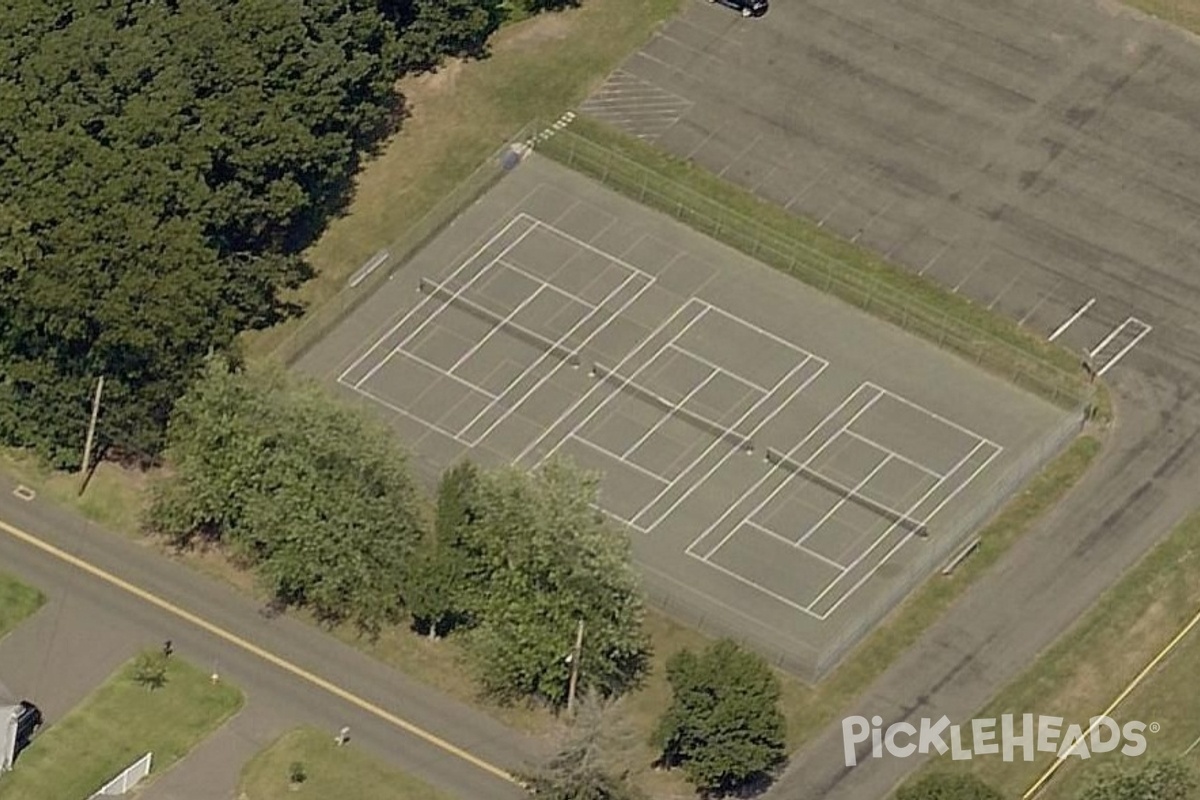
{"x": 127, "y": 779}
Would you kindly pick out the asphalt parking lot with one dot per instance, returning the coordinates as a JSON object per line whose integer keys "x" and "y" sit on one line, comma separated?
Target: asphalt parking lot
{"x": 1040, "y": 158}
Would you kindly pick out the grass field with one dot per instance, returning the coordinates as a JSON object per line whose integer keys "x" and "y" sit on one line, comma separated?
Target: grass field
{"x": 114, "y": 726}
{"x": 330, "y": 772}
{"x": 460, "y": 115}
{"x": 1088, "y": 668}
{"x": 17, "y": 601}
{"x": 1184, "y": 13}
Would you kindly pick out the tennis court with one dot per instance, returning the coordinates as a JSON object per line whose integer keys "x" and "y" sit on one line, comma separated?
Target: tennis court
{"x": 787, "y": 465}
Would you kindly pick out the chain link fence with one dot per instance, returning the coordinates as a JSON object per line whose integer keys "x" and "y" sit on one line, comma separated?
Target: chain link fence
{"x": 889, "y": 294}
{"x": 812, "y": 661}
{"x": 321, "y": 319}
{"x": 886, "y": 293}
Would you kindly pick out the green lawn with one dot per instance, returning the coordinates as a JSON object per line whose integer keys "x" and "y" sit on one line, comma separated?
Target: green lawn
{"x": 114, "y": 726}
{"x": 459, "y": 116}
{"x": 17, "y": 601}
{"x": 1184, "y": 13}
{"x": 1085, "y": 671}
{"x": 331, "y": 772}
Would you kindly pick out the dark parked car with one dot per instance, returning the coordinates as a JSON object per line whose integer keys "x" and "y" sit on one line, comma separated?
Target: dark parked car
{"x": 749, "y": 8}
{"x": 29, "y": 720}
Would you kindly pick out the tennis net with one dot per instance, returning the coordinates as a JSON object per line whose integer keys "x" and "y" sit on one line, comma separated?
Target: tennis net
{"x": 845, "y": 492}
{"x": 517, "y": 331}
{"x": 691, "y": 417}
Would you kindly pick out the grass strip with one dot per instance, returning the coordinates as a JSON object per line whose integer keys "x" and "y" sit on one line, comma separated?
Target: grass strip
{"x": 1089, "y": 666}
{"x": 797, "y": 246}
{"x": 17, "y": 601}
{"x": 328, "y": 771}
{"x": 116, "y": 725}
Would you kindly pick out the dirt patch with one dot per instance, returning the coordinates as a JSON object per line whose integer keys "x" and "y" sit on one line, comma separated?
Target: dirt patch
{"x": 440, "y": 80}
{"x": 543, "y": 28}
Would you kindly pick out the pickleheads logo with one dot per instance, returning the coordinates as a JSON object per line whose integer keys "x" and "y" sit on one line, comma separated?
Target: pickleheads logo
{"x": 994, "y": 737}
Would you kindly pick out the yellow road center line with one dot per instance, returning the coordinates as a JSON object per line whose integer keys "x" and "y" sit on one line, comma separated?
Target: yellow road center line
{"x": 1154, "y": 662}
{"x": 255, "y": 650}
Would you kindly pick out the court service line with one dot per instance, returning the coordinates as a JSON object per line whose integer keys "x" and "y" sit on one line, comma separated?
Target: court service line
{"x": 753, "y": 432}
{"x": 457, "y": 293}
{"x": 1079, "y": 312}
{"x": 602, "y": 450}
{"x": 624, "y": 383}
{"x": 487, "y": 337}
{"x": 594, "y": 387}
{"x": 867, "y": 440}
{"x": 758, "y": 483}
{"x": 924, "y": 522}
{"x": 790, "y": 543}
{"x": 480, "y": 251}
{"x": 254, "y": 650}
{"x": 1128, "y": 690}
{"x": 737, "y": 576}
{"x": 613, "y": 316}
{"x": 663, "y": 420}
{"x": 948, "y": 422}
{"x": 854, "y": 492}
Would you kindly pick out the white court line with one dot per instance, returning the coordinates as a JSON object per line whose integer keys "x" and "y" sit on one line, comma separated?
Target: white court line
{"x": 744, "y": 381}
{"x": 729, "y": 454}
{"x": 996, "y": 450}
{"x": 668, "y": 416}
{"x": 796, "y": 545}
{"x": 580, "y": 243}
{"x": 743, "y": 579}
{"x": 545, "y": 284}
{"x": 779, "y": 408}
{"x": 845, "y": 498}
{"x": 1191, "y": 747}
{"x": 595, "y": 387}
{"x": 904, "y": 459}
{"x": 495, "y": 329}
{"x": 554, "y": 371}
{"x": 482, "y": 248}
{"x": 393, "y": 407}
{"x": 434, "y": 368}
{"x": 1121, "y": 354}
{"x": 753, "y": 488}
{"x": 624, "y": 383}
{"x": 424, "y": 300}
{"x": 1079, "y": 312}
{"x": 936, "y": 416}
{"x": 605, "y": 451}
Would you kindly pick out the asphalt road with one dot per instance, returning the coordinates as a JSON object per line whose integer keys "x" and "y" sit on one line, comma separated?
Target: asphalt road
{"x": 1039, "y": 158}
{"x": 90, "y": 626}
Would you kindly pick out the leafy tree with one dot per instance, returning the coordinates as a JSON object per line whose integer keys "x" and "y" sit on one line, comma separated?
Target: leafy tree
{"x": 948, "y": 786}
{"x": 150, "y": 670}
{"x": 724, "y": 727}
{"x": 440, "y": 567}
{"x": 538, "y": 6}
{"x": 163, "y": 167}
{"x": 430, "y": 30}
{"x": 583, "y": 768}
{"x": 1156, "y": 780}
{"x": 544, "y": 558}
{"x": 311, "y": 494}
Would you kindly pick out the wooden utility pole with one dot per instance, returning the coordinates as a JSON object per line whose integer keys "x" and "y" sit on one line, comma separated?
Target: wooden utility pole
{"x": 91, "y": 435}
{"x": 575, "y": 656}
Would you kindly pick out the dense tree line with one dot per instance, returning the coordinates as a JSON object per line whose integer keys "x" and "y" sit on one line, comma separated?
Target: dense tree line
{"x": 318, "y": 500}
{"x": 163, "y": 164}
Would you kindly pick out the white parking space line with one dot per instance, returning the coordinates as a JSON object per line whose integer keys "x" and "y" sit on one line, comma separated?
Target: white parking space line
{"x": 1079, "y": 312}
